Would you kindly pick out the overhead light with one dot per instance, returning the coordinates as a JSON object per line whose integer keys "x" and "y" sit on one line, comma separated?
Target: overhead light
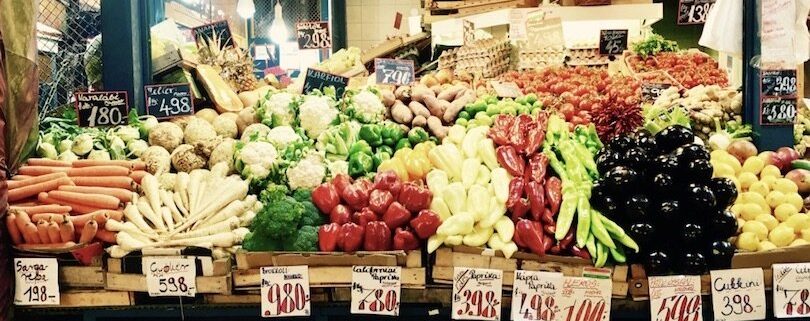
{"x": 278, "y": 29}
{"x": 245, "y": 8}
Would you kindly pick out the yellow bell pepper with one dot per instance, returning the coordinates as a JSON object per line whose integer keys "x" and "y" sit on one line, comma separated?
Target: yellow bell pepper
{"x": 402, "y": 153}
{"x": 417, "y": 165}
{"x": 478, "y": 237}
{"x": 396, "y": 165}
{"x": 424, "y": 147}
{"x": 453, "y": 240}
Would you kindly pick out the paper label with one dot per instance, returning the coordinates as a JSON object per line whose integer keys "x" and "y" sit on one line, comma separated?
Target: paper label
{"x": 675, "y": 298}
{"x": 791, "y": 290}
{"x": 36, "y": 281}
{"x": 535, "y": 295}
{"x": 170, "y": 276}
{"x": 506, "y": 89}
{"x": 585, "y": 299}
{"x": 285, "y": 291}
{"x": 376, "y": 290}
{"x": 738, "y": 295}
{"x": 477, "y": 294}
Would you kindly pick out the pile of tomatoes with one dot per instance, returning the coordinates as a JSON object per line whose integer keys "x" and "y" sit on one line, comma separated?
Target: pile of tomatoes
{"x": 688, "y": 68}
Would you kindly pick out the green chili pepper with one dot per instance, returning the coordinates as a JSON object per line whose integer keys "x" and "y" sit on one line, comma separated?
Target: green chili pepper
{"x": 566, "y": 216}
{"x": 555, "y": 163}
{"x": 591, "y": 245}
{"x": 587, "y": 159}
{"x": 599, "y": 231}
{"x": 612, "y": 228}
{"x": 602, "y": 256}
{"x": 583, "y": 219}
{"x": 618, "y": 254}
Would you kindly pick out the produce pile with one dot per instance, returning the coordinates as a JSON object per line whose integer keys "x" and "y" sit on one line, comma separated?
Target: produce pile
{"x": 688, "y": 68}
{"x": 801, "y": 131}
{"x": 711, "y": 108}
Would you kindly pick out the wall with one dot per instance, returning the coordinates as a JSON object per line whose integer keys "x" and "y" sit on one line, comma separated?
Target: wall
{"x": 369, "y": 22}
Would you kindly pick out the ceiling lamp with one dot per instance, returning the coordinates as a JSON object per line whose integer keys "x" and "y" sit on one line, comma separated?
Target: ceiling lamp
{"x": 278, "y": 29}
{"x": 245, "y": 8}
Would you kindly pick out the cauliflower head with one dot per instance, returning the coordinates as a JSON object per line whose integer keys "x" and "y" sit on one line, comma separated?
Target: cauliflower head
{"x": 255, "y": 160}
{"x": 308, "y": 173}
{"x": 367, "y": 107}
{"x": 315, "y": 114}
{"x": 278, "y": 109}
{"x": 282, "y": 136}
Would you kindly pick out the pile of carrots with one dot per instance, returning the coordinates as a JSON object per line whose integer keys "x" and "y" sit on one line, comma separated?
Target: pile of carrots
{"x": 57, "y": 204}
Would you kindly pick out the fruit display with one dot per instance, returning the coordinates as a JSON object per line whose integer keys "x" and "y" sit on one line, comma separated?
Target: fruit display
{"x": 711, "y": 108}
{"x": 660, "y": 188}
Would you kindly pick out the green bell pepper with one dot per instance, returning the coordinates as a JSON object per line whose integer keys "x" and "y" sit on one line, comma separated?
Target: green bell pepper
{"x": 384, "y": 149}
{"x": 360, "y": 164}
{"x": 463, "y": 114}
{"x": 417, "y": 135}
{"x": 379, "y": 157}
{"x": 372, "y": 134}
{"x": 478, "y": 106}
{"x": 391, "y": 134}
{"x": 360, "y": 147}
{"x": 403, "y": 143}
{"x": 461, "y": 121}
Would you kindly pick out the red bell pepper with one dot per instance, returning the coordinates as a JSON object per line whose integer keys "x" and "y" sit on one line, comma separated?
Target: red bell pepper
{"x": 536, "y": 133}
{"x": 532, "y": 235}
{"x": 520, "y": 209}
{"x": 355, "y": 196}
{"x": 554, "y": 194}
{"x": 379, "y": 200}
{"x": 499, "y": 132}
{"x": 547, "y": 218}
{"x": 325, "y": 197}
{"x": 515, "y": 191}
{"x": 364, "y": 184}
{"x": 414, "y": 197}
{"x": 378, "y": 237}
{"x": 426, "y": 223}
{"x": 340, "y": 214}
{"x": 396, "y": 215}
{"x": 405, "y": 240}
{"x": 536, "y": 196}
{"x": 329, "y": 237}
{"x": 341, "y": 181}
{"x": 388, "y": 181}
{"x": 351, "y": 236}
{"x": 518, "y": 241}
{"x": 363, "y": 216}
{"x": 518, "y": 131}
{"x": 536, "y": 171}
{"x": 509, "y": 159}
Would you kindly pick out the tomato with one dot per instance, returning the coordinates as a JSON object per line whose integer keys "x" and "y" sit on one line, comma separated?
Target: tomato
{"x": 567, "y": 110}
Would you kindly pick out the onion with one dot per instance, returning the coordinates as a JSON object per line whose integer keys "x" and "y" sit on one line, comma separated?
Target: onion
{"x": 802, "y": 179}
{"x": 788, "y": 154}
{"x": 742, "y": 150}
{"x": 773, "y": 158}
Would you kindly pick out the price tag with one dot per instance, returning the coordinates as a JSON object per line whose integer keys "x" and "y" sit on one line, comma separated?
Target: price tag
{"x": 219, "y": 30}
{"x": 170, "y": 276}
{"x": 651, "y": 91}
{"x": 791, "y": 290}
{"x": 694, "y": 12}
{"x": 376, "y": 289}
{"x": 506, "y": 89}
{"x": 393, "y": 71}
{"x": 313, "y": 35}
{"x": 316, "y": 79}
{"x": 36, "y": 281}
{"x": 738, "y": 295}
{"x": 534, "y": 295}
{"x": 612, "y": 42}
{"x": 469, "y": 31}
{"x": 778, "y": 111}
{"x": 517, "y": 24}
{"x": 477, "y": 294}
{"x": 170, "y": 100}
{"x": 778, "y": 83}
{"x": 102, "y": 108}
{"x": 544, "y": 33}
{"x": 285, "y": 291}
{"x": 585, "y": 299}
{"x": 675, "y": 298}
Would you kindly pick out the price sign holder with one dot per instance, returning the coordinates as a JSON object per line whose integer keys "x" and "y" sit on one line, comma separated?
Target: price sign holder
{"x": 778, "y": 83}
{"x": 376, "y": 290}
{"x": 169, "y": 100}
{"x": 393, "y": 71}
{"x": 791, "y": 290}
{"x": 216, "y": 30}
{"x": 170, "y": 276}
{"x": 675, "y": 298}
{"x": 506, "y": 89}
{"x": 477, "y": 294}
{"x": 544, "y": 33}
{"x": 585, "y": 298}
{"x": 316, "y": 79}
{"x": 534, "y": 295}
{"x": 36, "y": 281}
{"x": 313, "y": 35}
{"x": 101, "y": 108}
{"x": 738, "y": 295}
{"x": 778, "y": 103}
{"x": 285, "y": 291}
{"x": 612, "y": 41}
{"x": 694, "y": 12}
{"x": 651, "y": 91}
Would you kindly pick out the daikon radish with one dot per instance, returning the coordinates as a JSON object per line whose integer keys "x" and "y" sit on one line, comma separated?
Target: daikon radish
{"x": 88, "y": 232}
{"x": 49, "y": 246}
{"x": 47, "y": 162}
{"x": 220, "y": 227}
{"x": 166, "y": 197}
{"x": 178, "y": 200}
{"x": 132, "y": 215}
{"x": 53, "y": 233}
{"x": 48, "y": 217}
{"x": 34, "y": 189}
{"x": 67, "y": 231}
{"x": 42, "y": 231}
{"x": 121, "y": 194}
{"x": 151, "y": 189}
{"x": 180, "y": 187}
{"x": 13, "y": 230}
{"x": 99, "y": 171}
{"x": 106, "y": 236}
{"x": 92, "y": 200}
{"x": 124, "y": 182}
{"x": 34, "y": 180}
{"x": 167, "y": 217}
{"x": 32, "y": 234}
{"x": 146, "y": 211}
{"x": 31, "y": 210}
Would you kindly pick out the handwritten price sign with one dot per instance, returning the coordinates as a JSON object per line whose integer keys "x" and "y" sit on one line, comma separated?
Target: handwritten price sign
{"x": 534, "y": 295}
{"x": 101, "y": 108}
{"x": 170, "y": 276}
{"x": 791, "y": 290}
{"x": 37, "y": 282}
{"x": 585, "y": 299}
{"x": 477, "y": 294}
{"x": 738, "y": 295}
{"x": 376, "y": 289}
{"x": 169, "y": 100}
{"x": 285, "y": 291}
{"x": 675, "y": 298}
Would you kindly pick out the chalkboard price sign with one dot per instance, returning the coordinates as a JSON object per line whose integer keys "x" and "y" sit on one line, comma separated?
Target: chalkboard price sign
{"x": 102, "y": 108}
{"x": 694, "y": 12}
{"x": 317, "y": 79}
{"x": 778, "y": 83}
{"x": 314, "y": 35}
{"x": 169, "y": 100}
{"x": 612, "y": 42}
{"x": 393, "y": 71}
{"x": 651, "y": 91}
{"x": 216, "y": 30}
{"x": 777, "y": 111}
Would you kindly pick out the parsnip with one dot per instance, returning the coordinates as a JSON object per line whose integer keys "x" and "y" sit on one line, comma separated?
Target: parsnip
{"x": 247, "y": 218}
{"x": 132, "y": 215}
{"x": 238, "y": 191}
{"x": 146, "y": 211}
{"x": 178, "y": 200}
{"x": 233, "y": 209}
{"x": 216, "y": 228}
{"x": 180, "y": 187}
{"x": 168, "y": 201}
{"x": 127, "y": 242}
{"x": 167, "y": 217}
{"x": 129, "y": 227}
{"x": 195, "y": 180}
{"x": 151, "y": 189}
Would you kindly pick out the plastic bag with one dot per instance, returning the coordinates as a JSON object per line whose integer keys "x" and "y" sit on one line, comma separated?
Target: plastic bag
{"x": 723, "y": 28}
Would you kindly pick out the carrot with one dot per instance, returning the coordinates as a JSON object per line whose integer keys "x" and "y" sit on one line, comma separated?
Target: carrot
{"x": 22, "y": 219}
{"x": 75, "y": 208}
{"x": 48, "y": 217}
{"x": 106, "y": 236}
{"x": 13, "y": 231}
{"x": 117, "y": 182}
{"x": 31, "y": 190}
{"x": 47, "y": 162}
{"x": 66, "y": 231}
{"x": 32, "y": 232}
{"x": 53, "y": 232}
{"x": 99, "y": 171}
{"x": 133, "y": 165}
{"x": 137, "y": 176}
{"x": 42, "y": 231}
{"x": 21, "y": 177}
{"x": 93, "y": 200}
{"x": 41, "y": 170}
{"x": 122, "y": 194}
{"x": 48, "y": 246}
{"x": 138, "y": 166}
{"x": 31, "y": 210}
{"x": 88, "y": 232}
{"x": 34, "y": 180}
{"x": 80, "y": 221}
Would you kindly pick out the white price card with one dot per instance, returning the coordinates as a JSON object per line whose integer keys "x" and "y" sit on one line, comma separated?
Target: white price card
{"x": 675, "y": 298}
{"x": 376, "y": 289}
{"x": 170, "y": 276}
{"x": 37, "y": 281}
{"x": 585, "y": 299}
{"x": 791, "y": 290}
{"x": 285, "y": 291}
{"x": 738, "y": 294}
{"x": 535, "y": 295}
{"x": 477, "y": 294}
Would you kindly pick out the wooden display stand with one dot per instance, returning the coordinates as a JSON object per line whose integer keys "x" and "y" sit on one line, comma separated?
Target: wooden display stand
{"x": 123, "y": 275}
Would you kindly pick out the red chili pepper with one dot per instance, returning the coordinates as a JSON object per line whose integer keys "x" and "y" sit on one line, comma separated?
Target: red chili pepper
{"x": 325, "y": 197}
{"x": 388, "y": 181}
{"x": 405, "y": 240}
{"x": 426, "y": 223}
{"x": 499, "y": 132}
{"x": 536, "y": 169}
{"x": 414, "y": 197}
{"x": 340, "y": 214}
{"x": 536, "y": 133}
{"x": 554, "y": 194}
{"x": 536, "y": 195}
{"x": 555, "y": 249}
{"x": 583, "y": 253}
{"x": 378, "y": 237}
{"x": 568, "y": 240}
{"x": 329, "y": 237}
{"x": 509, "y": 159}
{"x": 531, "y": 235}
{"x": 379, "y": 200}
{"x": 547, "y": 218}
{"x": 351, "y": 236}
{"x": 363, "y": 216}
{"x": 515, "y": 191}
{"x": 548, "y": 242}
{"x": 520, "y": 209}
{"x": 396, "y": 215}
{"x": 518, "y": 131}
{"x": 550, "y": 229}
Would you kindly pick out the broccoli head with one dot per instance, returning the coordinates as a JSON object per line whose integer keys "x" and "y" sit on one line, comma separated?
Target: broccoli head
{"x": 273, "y": 192}
{"x": 311, "y": 216}
{"x": 302, "y": 195}
{"x": 304, "y": 240}
{"x": 278, "y": 219}
{"x": 260, "y": 242}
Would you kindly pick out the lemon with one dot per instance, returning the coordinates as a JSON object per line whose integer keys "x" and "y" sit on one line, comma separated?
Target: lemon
{"x": 747, "y": 241}
{"x": 795, "y": 199}
{"x": 770, "y": 170}
{"x": 784, "y": 211}
{"x": 769, "y": 220}
{"x": 753, "y": 165}
{"x": 758, "y": 228}
{"x": 786, "y": 186}
{"x": 775, "y": 198}
{"x": 722, "y": 170}
{"x": 798, "y": 222}
{"x": 781, "y": 236}
{"x": 770, "y": 180}
{"x": 750, "y": 211}
{"x": 760, "y": 188}
{"x": 756, "y": 198}
{"x": 746, "y": 179}
{"x": 765, "y": 246}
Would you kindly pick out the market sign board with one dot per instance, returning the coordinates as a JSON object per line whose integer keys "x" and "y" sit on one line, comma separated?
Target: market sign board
{"x": 216, "y": 30}
{"x": 36, "y": 281}
{"x": 791, "y": 290}
{"x": 694, "y": 12}
{"x": 778, "y": 83}
{"x": 738, "y": 295}
{"x": 476, "y": 294}
{"x": 170, "y": 276}
{"x": 588, "y": 297}
{"x": 778, "y": 102}
{"x": 316, "y": 79}
{"x": 101, "y": 108}
{"x": 612, "y": 41}
{"x": 169, "y": 100}
{"x": 285, "y": 291}
{"x": 535, "y": 295}
{"x": 376, "y": 290}
{"x": 544, "y": 33}
{"x": 313, "y": 35}
{"x": 393, "y": 71}
{"x": 675, "y": 298}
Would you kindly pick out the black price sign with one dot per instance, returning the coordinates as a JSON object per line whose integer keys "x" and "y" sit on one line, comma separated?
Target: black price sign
{"x": 612, "y": 42}
{"x": 216, "y": 30}
{"x": 169, "y": 100}
{"x": 102, "y": 108}
{"x": 393, "y": 71}
{"x": 694, "y": 12}
{"x": 777, "y": 111}
{"x": 317, "y": 79}
{"x": 778, "y": 83}
{"x": 651, "y": 91}
{"x": 314, "y": 35}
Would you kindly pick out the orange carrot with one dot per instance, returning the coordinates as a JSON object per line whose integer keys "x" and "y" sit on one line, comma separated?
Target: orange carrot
{"x": 31, "y": 190}
{"x": 99, "y": 171}
{"x": 32, "y": 232}
{"x": 122, "y": 194}
{"x": 49, "y": 246}
{"x": 31, "y": 210}
{"x": 106, "y": 236}
{"x": 138, "y": 165}
{"x": 34, "y": 180}
{"x": 42, "y": 231}
{"x": 48, "y": 217}
{"x": 21, "y": 177}
{"x": 13, "y": 231}
{"x": 80, "y": 221}
{"x": 47, "y": 162}
{"x": 137, "y": 176}
{"x": 53, "y": 232}
{"x": 133, "y": 165}
{"x": 41, "y": 170}
{"x": 66, "y": 231}
{"x": 75, "y": 208}
{"x": 22, "y": 219}
{"x": 110, "y": 181}
{"x": 88, "y": 232}
{"x": 93, "y": 200}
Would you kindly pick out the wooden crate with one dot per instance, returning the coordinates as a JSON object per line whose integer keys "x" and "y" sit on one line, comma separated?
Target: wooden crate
{"x": 213, "y": 276}
{"x": 81, "y": 277}
{"x": 207, "y": 265}
{"x": 87, "y": 298}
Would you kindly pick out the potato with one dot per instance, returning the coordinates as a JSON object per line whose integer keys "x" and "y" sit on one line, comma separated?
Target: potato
{"x": 419, "y": 110}
{"x": 435, "y": 126}
{"x": 388, "y": 97}
{"x": 401, "y": 113}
